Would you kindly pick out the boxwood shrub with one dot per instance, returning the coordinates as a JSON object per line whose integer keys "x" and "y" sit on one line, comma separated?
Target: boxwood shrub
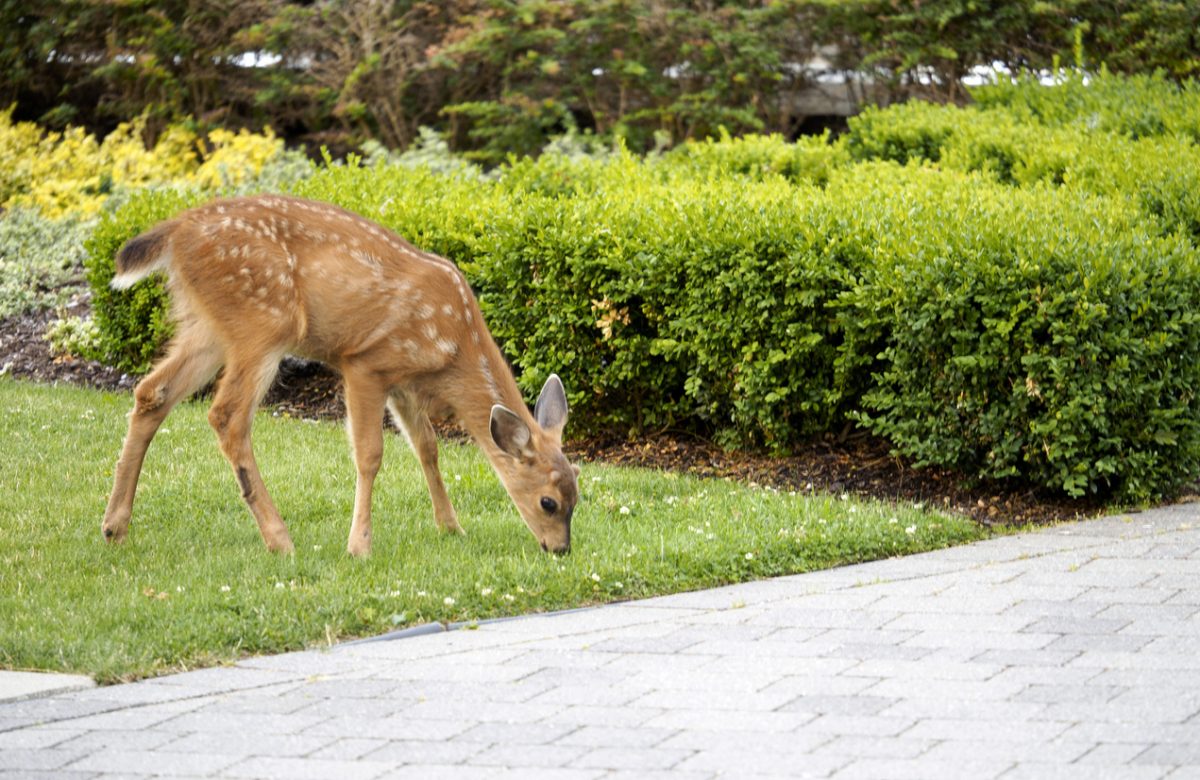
{"x": 1009, "y": 324}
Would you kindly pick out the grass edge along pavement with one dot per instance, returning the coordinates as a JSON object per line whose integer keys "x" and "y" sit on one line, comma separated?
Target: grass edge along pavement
{"x": 193, "y": 587}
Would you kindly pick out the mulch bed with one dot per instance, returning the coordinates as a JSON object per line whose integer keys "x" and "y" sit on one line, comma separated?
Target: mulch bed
{"x": 858, "y": 464}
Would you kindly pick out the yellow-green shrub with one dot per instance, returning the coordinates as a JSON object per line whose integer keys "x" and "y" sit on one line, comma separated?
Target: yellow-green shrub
{"x": 70, "y": 173}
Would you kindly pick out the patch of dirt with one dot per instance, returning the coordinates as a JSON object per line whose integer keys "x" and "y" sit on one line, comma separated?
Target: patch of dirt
{"x": 859, "y": 465}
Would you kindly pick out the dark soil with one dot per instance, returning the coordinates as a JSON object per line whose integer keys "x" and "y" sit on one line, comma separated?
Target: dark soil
{"x": 858, "y": 464}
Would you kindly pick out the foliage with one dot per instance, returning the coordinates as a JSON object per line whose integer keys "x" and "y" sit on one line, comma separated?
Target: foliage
{"x": 810, "y": 159}
{"x": 71, "y": 173}
{"x": 1138, "y": 106}
{"x": 1011, "y": 301}
{"x": 1159, "y": 172}
{"x": 192, "y": 585}
{"x": 133, "y": 324}
{"x": 73, "y": 337}
{"x": 1052, "y": 336}
{"x": 39, "y": 259}
{"x": 503, "y": 76}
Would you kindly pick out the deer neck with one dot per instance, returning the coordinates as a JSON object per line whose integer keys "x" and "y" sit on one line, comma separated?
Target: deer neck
{"x": 489, "y": 382}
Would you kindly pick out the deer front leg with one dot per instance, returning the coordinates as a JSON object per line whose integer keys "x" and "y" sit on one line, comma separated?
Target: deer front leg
{"x": 231, "y": 416}
{"x": 191, "y": 362}
{"x": 419, "y": 432}
{"x": 364, "y": 419}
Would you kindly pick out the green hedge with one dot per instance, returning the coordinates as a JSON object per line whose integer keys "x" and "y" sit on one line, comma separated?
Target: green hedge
{"x": 1160, "y": 174}
{"x": 132, "y": 324}
{"x": 1015, "y": 301}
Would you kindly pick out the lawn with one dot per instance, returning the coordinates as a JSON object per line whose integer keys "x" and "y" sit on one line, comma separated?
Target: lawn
{"x": 194, "y": 586}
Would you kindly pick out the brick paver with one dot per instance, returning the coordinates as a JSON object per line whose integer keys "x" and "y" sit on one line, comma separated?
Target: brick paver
{"x": 1069, "y": 652}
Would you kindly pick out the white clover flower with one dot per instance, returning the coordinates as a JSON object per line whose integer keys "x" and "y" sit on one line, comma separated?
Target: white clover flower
{"x": 225, "y": 589}
{"x": 422, "y": 593}
{"x": 595, "y": 577}
{"x": 624, "y": 510}
{"x": 509, "y": 597}
{"x": 749, "y": 556}
{"x": 448, "y": 601}
{"x": 912, "y": 529}
{"x": 485, "y": 592}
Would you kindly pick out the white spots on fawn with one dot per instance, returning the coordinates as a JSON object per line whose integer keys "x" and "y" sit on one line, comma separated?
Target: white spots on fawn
{"x": 446, "y": 346}
{"x": 485, "y": 368}
{"x": 425, "y": 312}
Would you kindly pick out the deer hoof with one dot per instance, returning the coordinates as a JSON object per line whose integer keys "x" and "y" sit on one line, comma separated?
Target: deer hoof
{"x": 114, "y": 533}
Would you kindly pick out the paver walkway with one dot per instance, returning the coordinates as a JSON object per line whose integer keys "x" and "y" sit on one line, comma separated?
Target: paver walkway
{"x": 1066, "y": 653}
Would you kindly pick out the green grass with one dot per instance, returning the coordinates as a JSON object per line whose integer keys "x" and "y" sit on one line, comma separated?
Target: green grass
{"x": 194, "y": 585}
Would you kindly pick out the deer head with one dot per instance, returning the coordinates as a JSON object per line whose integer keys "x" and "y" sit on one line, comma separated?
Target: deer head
{"x": 538, "y": 478}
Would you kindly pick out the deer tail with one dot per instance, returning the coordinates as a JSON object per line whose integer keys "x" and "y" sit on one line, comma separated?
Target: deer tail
{"x": 142, "y": 255}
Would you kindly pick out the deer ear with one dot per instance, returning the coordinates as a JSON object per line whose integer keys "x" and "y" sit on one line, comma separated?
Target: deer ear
{"x": 509, "y": 433}
{"x": 550, "y": 411}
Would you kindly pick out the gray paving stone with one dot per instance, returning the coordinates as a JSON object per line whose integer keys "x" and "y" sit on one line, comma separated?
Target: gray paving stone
{"x": 924, "y": 670}
{"x": 153, "y": 762}
{"x": 100, "y": 739}
{"x": 615, "y": 736}
{"x": 435, "y": 752}
{"x": 246, "y": 744}
{"x": 905, "y": 769}
{"x": 1113, "y": 754}
{"x": 39, "y": 758}
{"x": 305, "y": 769}
{"x": 699, "y": 718}
{"x": 49, "y": 774}
{"x": 1051, "y": 752}
{"x": 855, "y": 747}
{"x": 631, "y": 758}
{"x": 391, "y": 728}
{"x": 231, "y": 723}
{"x": 528, "y": 756}
{"x": 1041, "y": 771}
{"x": 443, "y": 772}
{"x": 350, "y": 748}
{"x": 38, "y": 737}
{"x": 859, "y": 704}
{"x": 602, "y": 716}
{"x": 736, "y": 762}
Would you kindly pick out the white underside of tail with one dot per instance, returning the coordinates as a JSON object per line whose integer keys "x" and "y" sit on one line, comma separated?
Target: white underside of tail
{"x": 129, "y": 278}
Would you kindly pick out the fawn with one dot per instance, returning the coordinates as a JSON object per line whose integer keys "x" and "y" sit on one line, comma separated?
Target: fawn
{"x": 252, "y": 279}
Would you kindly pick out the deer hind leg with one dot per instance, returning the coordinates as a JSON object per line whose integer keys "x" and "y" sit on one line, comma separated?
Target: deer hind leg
{"x": 240, "y": 389}
{"x": 364, "y": 421}
{"x": 191, "y": 362}
{"x": 414, "y": 422}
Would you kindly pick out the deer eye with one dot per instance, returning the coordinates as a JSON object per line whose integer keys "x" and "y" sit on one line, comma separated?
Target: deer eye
{"x": 549, "y": 505}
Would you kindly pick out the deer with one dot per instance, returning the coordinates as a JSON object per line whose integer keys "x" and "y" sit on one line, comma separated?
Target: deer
{"x": 252, "y": 279}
